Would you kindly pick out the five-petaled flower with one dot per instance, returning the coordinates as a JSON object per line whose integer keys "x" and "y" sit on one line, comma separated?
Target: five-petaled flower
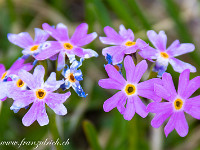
{"x": 177, "y": 103}
{"x": 130, "y": 90}
{"x": 165, "y": 55}
{"x": 67, "y": 46}
{"x": 39, "y": 93}
{"x": 124, "y": 43}
{"x": 30, "y": 46}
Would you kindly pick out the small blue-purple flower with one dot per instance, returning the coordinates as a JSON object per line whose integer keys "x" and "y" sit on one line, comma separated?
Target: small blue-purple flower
{"x": 164, "y": 56}
{"x": 39, "y": 93}
{"x": 25, "y": 41}
{"x": 72, "y": 77}
{"x": 67, "y": 46}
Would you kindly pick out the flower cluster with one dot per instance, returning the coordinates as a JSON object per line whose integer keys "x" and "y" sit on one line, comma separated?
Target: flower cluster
{"x": 29, "y": 89}
{"x": 127, "y": 99}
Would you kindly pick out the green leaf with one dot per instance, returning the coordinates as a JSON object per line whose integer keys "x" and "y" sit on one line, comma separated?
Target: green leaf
{"x": 91, "y": 135}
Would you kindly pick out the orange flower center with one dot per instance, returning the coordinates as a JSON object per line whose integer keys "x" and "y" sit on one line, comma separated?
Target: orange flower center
{"x": 129, "y": 43}
{"x": 71, "y": 78}
{"x": 117, "y": 67}
{"x": 130, "y": 89}
{"x": 164, "y": 55}
{"x": 34, "y": 48}
{"x": 20, "y": 83}
{"x": 178, "y": 104}
{"x": 68, "y": 46}
{"x": 40, "y": 93}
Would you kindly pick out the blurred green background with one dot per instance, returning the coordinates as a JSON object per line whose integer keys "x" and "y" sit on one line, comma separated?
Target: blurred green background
{"x": 86, "y": 125}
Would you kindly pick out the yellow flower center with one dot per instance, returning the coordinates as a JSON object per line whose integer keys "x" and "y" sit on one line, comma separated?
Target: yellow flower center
{"x": 68, "y": 46}
{"x": 4, "y": 75}
{"x": 178, "y": 104}
{"x": 40, "y": 93}
{"x": 164, "y": 55}
{"x": 34, "y": 48}
{"x": 20, "y": 83}
{"x": 71, "y": 78}
{"x": 130, "y": 89}
{"x": 129, "y": 43}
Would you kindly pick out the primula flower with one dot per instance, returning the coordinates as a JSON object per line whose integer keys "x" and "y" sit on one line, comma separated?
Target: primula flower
{"x": 6, "y": 76}
{"x": 130, "y": 90}
{"x": 72, "y": 77}
{"x": 164, "y": 55}
{"x": 39, "y": 93}
{"x": 177, "y": 103}
{"x": 124, "y": 43}
{"x": 65, "y": 45}
{"x": 25, "y": 41}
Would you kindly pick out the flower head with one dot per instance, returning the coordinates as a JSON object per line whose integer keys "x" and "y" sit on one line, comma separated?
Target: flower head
{"x": 130, "y": 90}
{"x": 164, "y": 55}
{"x": 65, "y": 45}
{"x": 30, "y": 46}
{"x": 39, "y": 93}
{"x": 177, "y": 103}
{"x": 72, "y": 77}
{"x": 124, "y": 43}
{"x": 10, "y": 74}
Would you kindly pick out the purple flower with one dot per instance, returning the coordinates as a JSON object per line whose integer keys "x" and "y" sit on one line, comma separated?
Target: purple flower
{"x": 123, "y": 43}
{"x": 65, "y": 45}
{"x": 30, "y": 46}
{"x": 6, "y": 76}
{"x": 164, "y": 55}
{"x": 130, "y": 90}
{"x": 177, "y": 103}
{"x": 40, "y": 93}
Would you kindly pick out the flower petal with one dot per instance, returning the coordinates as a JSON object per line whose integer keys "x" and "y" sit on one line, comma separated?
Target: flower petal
{"x": 2, "y": 70}
{"x": 159, "y": 118}
{"x": 126, "y": 34}
{"x": 31, "y": 115}
{"x": 61, "y": 61}
{"x": 51, "y": 84}
{"x": 162, "y": 92}
{"x": 181, "y": 124}
{"x": 60, "y": 33}
{"x": 38, "y": 75}
{"x": 80, "y": 32}
{"x": 40, "y": 36}
{"x": 169, "y": 85}
{"x": 113, "y": 38}
{"x": 86, "y": 39}
{"x": 181, "y": 49}
{"x": 193, "y": 85}
{"x": 27, "y": 78}
{"x": 140, "y": 107}
{"x": 156, "y": 107}
{"x": 170, "y": 125}
{"x": 21, "y": 98}
{"x": 88, "y": 53}
{"x": 110, "y": 84}
{"x": 112, "y": 102}
{"x": 22, "y": 40}
{"x": 130, "y": 109}
{"x": 49, "y": 49}
{"x": 114, "y": 74}
{"x": 179, "y": 65}
{"x": 158, "y": 40}
{"x": 140, "y": 69}
{"x": 112, "y": 50}
{"x": 3, "y": 90}
{"x": 183, "y": 82}
{"x": 129, "y": 67}
{"x": 42, "y": 117}
{"x": 148, "y": 53}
